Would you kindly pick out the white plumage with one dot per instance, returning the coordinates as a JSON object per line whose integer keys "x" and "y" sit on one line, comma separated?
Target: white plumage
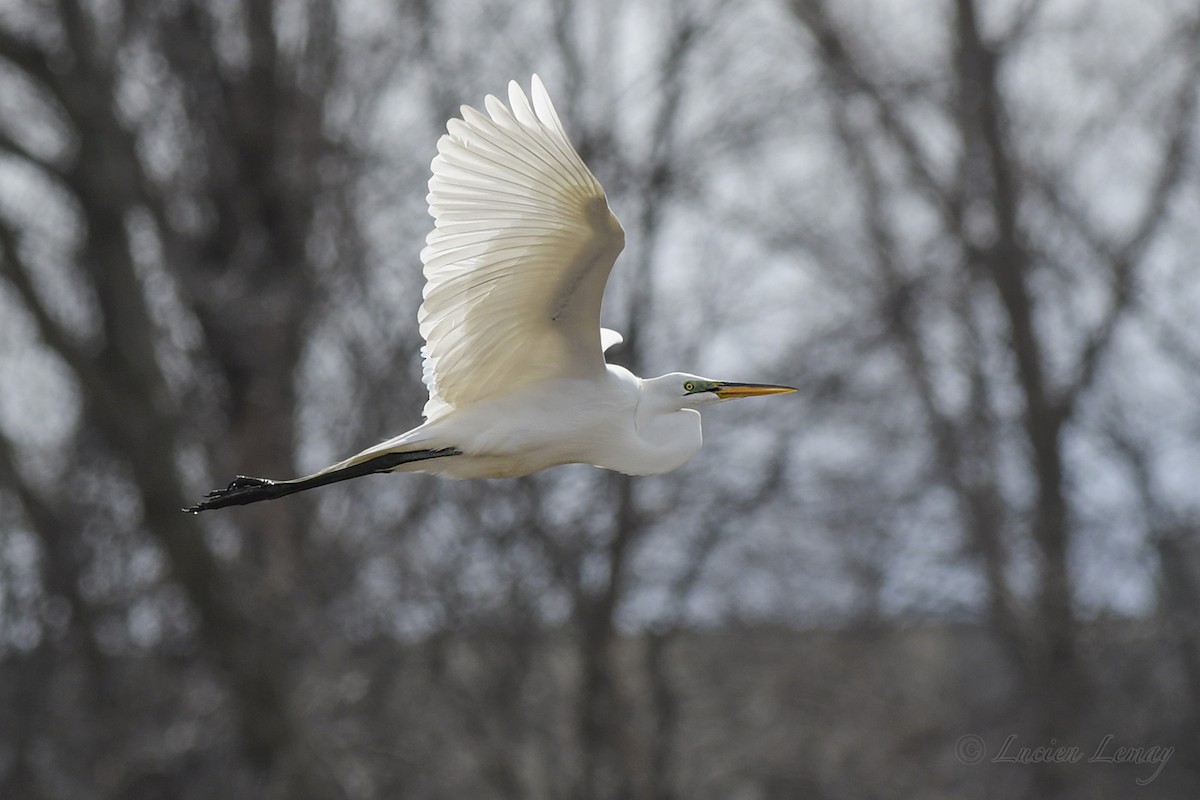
{"x": 515, "y": 269}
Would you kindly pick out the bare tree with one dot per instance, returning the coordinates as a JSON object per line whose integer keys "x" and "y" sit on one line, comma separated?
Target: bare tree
{"x": 1023, "y": 363}
{"x": 210, "y": 215}
{"x": 231, "y": 208}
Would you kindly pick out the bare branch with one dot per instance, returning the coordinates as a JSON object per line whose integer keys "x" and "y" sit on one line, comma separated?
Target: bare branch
{"x": 845, "y": 67}
{"x": 29, "y": 59}
{"x": 1126, "y": 258}
{"x": 19, "y": 274}
{"x": 12, "y": 146}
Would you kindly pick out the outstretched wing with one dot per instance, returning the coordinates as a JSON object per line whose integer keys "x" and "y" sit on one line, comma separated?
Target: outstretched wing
{"x": 515, "y": 267}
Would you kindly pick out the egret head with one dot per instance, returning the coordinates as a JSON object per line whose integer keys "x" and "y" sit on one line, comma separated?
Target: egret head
{"x": 681, "y": 390}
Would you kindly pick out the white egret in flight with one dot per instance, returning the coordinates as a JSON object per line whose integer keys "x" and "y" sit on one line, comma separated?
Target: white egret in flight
{"x": 515, "y": 269}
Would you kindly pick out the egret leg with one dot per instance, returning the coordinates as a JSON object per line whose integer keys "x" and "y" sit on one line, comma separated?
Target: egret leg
{"x": 244, "y": 489}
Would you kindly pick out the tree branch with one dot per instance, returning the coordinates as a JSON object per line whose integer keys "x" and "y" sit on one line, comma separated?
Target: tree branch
{"x": 1127, "y": 257}
{"x": 14, "y": 267}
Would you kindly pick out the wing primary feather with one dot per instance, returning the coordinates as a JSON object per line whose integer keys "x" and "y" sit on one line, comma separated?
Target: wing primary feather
{"x": 545, "y": 111}
{"x": 515, "y": 266}
{"x": 500, "y": 136}
{"x": 502, "y": 116}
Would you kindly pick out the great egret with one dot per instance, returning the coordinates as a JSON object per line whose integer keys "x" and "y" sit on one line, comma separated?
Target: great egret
{"x": 515, "y": 269}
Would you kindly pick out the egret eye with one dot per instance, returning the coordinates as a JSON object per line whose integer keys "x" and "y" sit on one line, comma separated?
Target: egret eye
{"x": 690, "y": 386}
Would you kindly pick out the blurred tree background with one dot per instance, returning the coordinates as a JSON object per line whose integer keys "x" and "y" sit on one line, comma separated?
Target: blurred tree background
{"x": 967, "y": 230}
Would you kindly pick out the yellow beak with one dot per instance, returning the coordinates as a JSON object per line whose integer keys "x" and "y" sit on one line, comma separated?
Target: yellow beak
{"x": 728, "y": 391}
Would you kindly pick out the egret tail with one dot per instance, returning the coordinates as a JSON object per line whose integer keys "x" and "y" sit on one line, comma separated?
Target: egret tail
{"x": 245, "y": 490}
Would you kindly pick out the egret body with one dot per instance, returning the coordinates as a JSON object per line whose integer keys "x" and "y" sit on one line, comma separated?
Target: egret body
{"x": 515, "y": 269}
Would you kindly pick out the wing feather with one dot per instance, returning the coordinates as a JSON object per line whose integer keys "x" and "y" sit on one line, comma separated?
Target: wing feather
{"x": 516, "y": 264}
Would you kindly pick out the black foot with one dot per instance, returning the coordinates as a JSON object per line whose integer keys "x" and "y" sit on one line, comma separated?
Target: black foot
{"x": 239, "y": 492}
